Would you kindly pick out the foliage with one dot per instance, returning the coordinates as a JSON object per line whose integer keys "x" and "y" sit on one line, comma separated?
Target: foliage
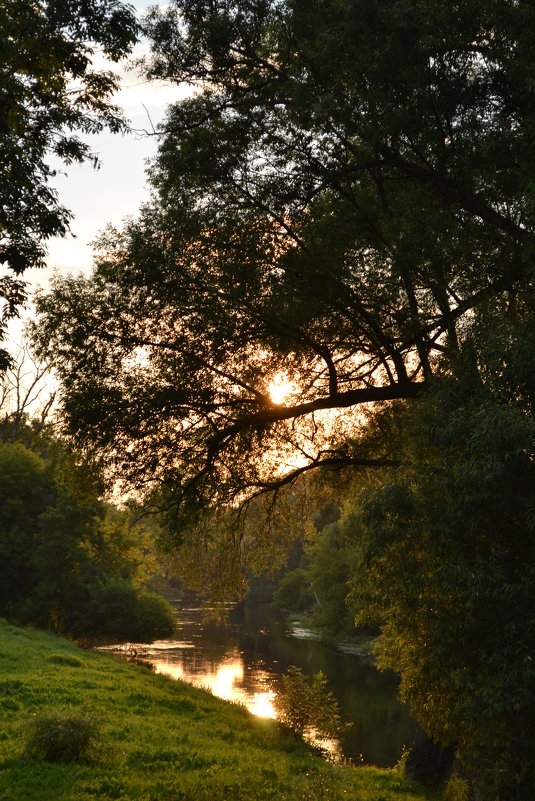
{"x": 63, "y": 737}
{"x": 161, "y": 739}
{"x": 333, "y": 560}
{"x": 293, "y": 592}
{"x": 449, "y": 573}
{"x": 321, "y": 583}
{"x": 119, "y": 611}
{"x": 335, "y": 204}
{"x": 306, "y": 706}
{"x": 457, "y": 789}
{"x": 50, "y": 94}
{"x": 67, "y": 557}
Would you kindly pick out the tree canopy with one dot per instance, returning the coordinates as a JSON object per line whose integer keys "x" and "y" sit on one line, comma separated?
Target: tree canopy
{"x": 70, "y": 561}
{"x": 51, "y": 93}
{"x": 347, "y": 189}
{"x": 448, "y": 571}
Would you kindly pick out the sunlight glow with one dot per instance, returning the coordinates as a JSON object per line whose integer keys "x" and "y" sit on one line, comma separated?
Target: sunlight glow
{"x": 226, "y": 677}
{"x": 221, "y": 682}
{"x": 226, "y": 681}
{"x": 262, "y": 705}
{"x": 280, "y": 388}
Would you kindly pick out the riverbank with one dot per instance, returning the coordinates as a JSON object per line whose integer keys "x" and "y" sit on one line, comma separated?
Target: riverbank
{"x": 158, "y": 739}
{"x": 301, "y": 626}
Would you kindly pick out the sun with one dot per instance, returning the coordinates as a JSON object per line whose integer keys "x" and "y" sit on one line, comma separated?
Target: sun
{"x": 280, "y": 388}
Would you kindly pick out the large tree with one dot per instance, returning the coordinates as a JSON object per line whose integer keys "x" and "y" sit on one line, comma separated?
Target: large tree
{"x": 346, "y": 201}
{"x": 448, "y": 566}
{"x": 50, "y": 94}
{"x": 350, "y": 184}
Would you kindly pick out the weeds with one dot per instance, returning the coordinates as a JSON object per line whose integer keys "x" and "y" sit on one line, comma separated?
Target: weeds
{"x": 63, "y": 737}
{"x": 457, "y": 789}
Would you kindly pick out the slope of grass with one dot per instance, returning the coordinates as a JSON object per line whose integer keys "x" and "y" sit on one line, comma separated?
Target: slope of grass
{"x": 158, "y": 739}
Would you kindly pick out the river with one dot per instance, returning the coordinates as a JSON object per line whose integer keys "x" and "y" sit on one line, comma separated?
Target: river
{"x": 244, "y": 661}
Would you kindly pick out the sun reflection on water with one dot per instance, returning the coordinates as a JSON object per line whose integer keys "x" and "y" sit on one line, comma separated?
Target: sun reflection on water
{"x": 226, "y": 681}
{"x": 262, "y": 704}
{"x": 229, "y": 677}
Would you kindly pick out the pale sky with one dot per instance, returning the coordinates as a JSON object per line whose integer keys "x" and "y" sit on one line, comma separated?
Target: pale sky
{"x": 118, "y": 188}
{"x": 110, "y": 194}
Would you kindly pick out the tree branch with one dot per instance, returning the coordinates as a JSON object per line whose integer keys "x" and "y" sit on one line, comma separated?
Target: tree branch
{"x": 341, "y": 400}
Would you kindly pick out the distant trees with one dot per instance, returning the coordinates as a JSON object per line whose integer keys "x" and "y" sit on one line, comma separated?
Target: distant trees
{"x": 321, "y": 584}
{"x": 70, "y": 561}
{"x": 27, "y": 396}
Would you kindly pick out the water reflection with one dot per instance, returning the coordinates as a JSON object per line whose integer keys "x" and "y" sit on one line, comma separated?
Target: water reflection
{"x": 262, "y": 704}
{"x": 244, "y": 662}
{"x": 226, "y": 678}
{"x": 226, "y": 681}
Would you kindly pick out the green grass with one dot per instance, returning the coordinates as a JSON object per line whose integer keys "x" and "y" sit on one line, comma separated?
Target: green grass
{"x": 158, "y": 739}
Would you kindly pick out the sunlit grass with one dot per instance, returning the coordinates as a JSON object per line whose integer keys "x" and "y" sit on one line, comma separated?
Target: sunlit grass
{"x": 159, "y": 739}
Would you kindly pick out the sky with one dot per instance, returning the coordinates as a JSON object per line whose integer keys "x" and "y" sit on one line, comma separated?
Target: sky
{"x": 119, "y": 187}
{"x": 113, "y": 192}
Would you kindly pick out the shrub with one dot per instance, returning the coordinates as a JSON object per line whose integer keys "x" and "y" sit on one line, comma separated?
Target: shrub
{"x": 457, "y": 789}
{"x": 120, "y": 612}
{"x": 306, "y": 706}
{"x": 63, "y": 737}
{"x": 156, "y": 617}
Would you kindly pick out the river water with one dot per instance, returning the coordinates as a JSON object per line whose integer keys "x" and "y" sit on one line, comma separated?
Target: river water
{"x": 244, "y": 661}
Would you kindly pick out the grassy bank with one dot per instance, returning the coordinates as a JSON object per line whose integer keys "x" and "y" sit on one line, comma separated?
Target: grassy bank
{"x": 158, "y": 740}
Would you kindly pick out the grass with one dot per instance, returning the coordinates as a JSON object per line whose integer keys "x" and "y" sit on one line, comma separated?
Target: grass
{"x": 62, "y": 737}
{"x": 158, "y": 739}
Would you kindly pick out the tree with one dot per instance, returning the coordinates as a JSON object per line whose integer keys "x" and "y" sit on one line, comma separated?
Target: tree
{"x": 320, "y": 584}
{"x": 345, "y": 203}
{"x": 26, "y": 396}
{"x": 50, "y": 93}
{"x": 333, "y": 560}
{"x": 345, "y": 192}
{"x": 449, "y": 573}
{"x": 70, "y": 562}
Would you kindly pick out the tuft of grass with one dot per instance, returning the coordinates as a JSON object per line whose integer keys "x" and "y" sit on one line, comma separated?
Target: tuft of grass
{"x": 63, "y": 737}
{"x": 65, "y": 659}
